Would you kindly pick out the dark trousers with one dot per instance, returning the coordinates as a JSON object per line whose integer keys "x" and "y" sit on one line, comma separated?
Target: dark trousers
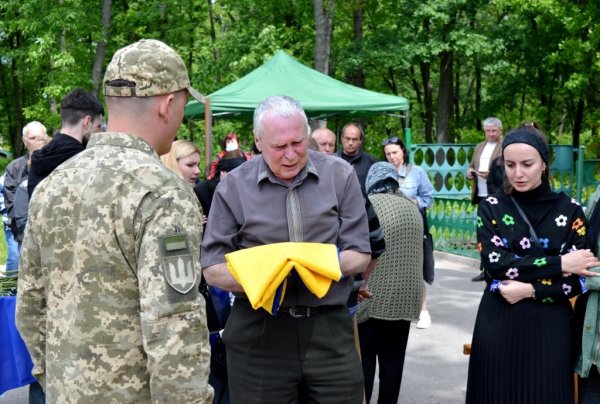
{"x": 589, "y": 387}
{"x": 384, "y": 341}
{"x": 36, "y": 394}
{"x": 270, "y": 359}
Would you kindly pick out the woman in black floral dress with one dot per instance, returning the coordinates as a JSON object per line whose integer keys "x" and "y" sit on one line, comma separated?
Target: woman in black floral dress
{"x": 521, "y": 349}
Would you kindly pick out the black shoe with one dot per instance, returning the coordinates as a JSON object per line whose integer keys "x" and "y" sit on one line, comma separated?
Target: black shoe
{"x": 478, "y": 278}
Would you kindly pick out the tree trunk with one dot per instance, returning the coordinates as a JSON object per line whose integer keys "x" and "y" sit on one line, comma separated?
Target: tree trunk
{"x": 213, "y": 39}
{"x": 428, "y": 100}
{"x": 101, "y": 47}
{"x": 456, "y": 95}
{"x": 17, "y": 126}
{"x": 445, "y": 93}
{"x": 478, "y": 116}
{"x": 358, "y": 76}
{"x": 323, "y": 27}
{"x": 425, "y": 68}
{"x": 578, "y": 122}
{"x": 416, "y": 87}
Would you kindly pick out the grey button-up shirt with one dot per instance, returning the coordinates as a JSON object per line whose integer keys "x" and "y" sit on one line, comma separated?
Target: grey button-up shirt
{"x": 249, "y": 209}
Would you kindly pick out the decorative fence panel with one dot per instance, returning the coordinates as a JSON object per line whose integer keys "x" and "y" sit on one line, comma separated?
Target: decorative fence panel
{"x": 452, "y": 217}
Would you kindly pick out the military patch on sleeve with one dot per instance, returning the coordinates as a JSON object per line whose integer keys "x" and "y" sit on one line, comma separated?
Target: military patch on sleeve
{"x": 178, "y": 263}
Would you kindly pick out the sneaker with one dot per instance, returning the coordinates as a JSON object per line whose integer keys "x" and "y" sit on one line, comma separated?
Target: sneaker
{"x": 424, "y": 320}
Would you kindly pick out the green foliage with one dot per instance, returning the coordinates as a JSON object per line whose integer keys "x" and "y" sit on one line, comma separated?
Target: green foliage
{"x": 532, "y": 61}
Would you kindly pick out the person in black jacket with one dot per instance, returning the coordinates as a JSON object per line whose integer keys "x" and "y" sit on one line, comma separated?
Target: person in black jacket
{"x": 81, "y": 115}
{"x": 205, "y": 189}
{"x": 353, "y": 138}
{"x": 34, "y": 135}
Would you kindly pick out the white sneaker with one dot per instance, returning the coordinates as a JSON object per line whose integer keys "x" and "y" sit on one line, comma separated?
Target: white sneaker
{"x": 424, "y": 320}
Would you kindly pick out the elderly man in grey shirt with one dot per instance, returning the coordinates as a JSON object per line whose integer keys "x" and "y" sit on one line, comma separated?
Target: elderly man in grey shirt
{"x": 289, "y": 194}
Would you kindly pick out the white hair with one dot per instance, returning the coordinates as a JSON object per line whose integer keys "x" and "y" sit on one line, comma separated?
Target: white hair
{"x": 280, "y": 105}
{"x": 492, "y": 121}
{"x": 31, "y": 125}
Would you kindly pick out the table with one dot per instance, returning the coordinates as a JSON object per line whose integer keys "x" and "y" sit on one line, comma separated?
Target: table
{"x": 15, "y": 362}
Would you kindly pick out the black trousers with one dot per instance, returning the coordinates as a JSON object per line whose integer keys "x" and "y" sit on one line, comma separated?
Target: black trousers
{"x": 36, "y": 394}
{"x": 270, "y": 359}
{"x": 384, "y": 341}
{"x": 589, "y": 388}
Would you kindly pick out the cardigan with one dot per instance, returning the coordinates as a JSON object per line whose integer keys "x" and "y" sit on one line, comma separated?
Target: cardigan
{"x": 590, "y": 350}
{"x": 397, "y": 280}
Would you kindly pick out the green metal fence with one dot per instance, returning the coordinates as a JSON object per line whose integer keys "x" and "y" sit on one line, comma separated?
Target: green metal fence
{"x": 452, "y": 217}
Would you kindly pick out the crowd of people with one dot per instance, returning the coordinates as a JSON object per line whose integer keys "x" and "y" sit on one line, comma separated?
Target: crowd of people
{"x": 131, "y": 288}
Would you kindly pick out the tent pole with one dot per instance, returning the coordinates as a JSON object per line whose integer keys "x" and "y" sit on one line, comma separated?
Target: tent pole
{"x": 337, "y": 136}
{"x": 207, "y": 133}
{"x": 407, "y": 133}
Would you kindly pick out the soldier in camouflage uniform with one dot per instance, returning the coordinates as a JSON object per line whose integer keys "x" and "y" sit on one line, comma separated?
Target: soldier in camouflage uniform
{"x": 108, "y": 300}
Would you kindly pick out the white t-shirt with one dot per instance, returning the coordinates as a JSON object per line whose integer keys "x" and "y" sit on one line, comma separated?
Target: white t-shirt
{"x": 484, "y": 167}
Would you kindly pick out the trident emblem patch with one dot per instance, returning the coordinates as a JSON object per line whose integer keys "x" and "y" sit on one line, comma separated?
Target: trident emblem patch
{"x": 179, "y": 272}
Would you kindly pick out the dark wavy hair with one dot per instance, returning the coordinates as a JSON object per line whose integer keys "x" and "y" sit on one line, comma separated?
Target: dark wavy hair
{"x": 397, "y": 141}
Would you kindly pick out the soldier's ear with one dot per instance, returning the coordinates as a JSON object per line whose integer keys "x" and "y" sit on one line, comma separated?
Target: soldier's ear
{"x": 165, "y": 104}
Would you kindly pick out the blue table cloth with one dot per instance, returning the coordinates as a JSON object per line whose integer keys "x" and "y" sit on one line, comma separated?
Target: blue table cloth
{"x": 15, "y": 362}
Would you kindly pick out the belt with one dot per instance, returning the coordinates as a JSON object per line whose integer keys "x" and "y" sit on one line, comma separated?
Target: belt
{"x": 305, "y": 311}
{"x": 293, "y": 311}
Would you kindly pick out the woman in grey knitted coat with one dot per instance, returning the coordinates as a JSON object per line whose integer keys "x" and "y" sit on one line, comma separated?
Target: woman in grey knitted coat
{"x": 396, "y": 283}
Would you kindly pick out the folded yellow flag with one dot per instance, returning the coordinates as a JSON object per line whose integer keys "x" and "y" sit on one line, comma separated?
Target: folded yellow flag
{"x": 262, "y": 270}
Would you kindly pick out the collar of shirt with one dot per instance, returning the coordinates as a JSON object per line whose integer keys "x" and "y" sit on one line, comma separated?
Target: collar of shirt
{"x": 402, "y": 171}
{"x": 264, "y": 173}
{"x": 351, "y": 159}
{"x": 121, "y": 139}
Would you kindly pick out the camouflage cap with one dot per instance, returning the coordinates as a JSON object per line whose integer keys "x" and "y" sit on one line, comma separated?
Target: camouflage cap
{"x": 147, "y": 68}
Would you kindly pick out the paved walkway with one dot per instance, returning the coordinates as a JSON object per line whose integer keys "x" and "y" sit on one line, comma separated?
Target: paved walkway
{"x": 435, "y": 370}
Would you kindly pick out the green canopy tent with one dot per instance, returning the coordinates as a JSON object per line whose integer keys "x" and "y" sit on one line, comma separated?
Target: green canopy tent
{"x": 321, "y": 96}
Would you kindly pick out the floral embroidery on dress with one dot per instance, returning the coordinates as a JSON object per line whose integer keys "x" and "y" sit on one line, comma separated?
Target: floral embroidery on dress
{"x": 561, "y": 221}
{"x": 479, "y": 247}
{"x": 540, "y": 262}
{"x": 494, "y": 256}
{"x": 577, "y": 223}
{"x": 546, "y": 281}
{"x": 581, "y": 231}
{"x": 494, "y": 222}
{"x": 525, "y": 243}
{"x": 508, "y": 219}
{"x": 567, "y": 288}
{"x": 547, "y": 300}
{"x": 512, "y": 273}
{"x": 544, "y": 242}
{"x": 497, "y": 241}
{"x": 492, "y": 200}
{"x": 573, "y": 200}
{"x": 479, "y": 222}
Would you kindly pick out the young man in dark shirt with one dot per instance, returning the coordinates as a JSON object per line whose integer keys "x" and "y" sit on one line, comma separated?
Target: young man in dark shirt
{"x": 81, "y": 115}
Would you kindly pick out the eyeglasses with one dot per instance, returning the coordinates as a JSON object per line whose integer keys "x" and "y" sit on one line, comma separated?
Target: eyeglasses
{"x": 392, "y": 140}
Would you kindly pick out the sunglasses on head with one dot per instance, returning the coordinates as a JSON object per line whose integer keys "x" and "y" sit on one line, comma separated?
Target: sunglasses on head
{"x": 392, "y": 140}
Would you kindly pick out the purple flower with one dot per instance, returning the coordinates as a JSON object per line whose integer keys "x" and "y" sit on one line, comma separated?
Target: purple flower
{"x": 525, "y": 243}
{"x": 512, "y": 273}
{"x": 497, "y": 241}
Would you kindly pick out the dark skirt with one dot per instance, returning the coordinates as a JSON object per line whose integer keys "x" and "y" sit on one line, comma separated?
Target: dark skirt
{"x": 521, "y": 353}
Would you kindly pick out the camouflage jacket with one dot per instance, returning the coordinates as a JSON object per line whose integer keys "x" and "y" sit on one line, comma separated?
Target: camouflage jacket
{"x": 108, "y": 302}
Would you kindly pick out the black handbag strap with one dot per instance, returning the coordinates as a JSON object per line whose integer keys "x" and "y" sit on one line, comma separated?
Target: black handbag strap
{"x": 532, "y": 233}
{"x": 425, "y": 221}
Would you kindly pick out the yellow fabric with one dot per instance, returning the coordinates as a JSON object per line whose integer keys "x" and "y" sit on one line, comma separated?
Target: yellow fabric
{"x": 261, "y": 270}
